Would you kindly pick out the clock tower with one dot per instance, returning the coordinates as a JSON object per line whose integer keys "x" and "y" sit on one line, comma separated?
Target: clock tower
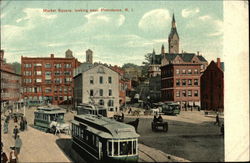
{"x": 173, "y": 38}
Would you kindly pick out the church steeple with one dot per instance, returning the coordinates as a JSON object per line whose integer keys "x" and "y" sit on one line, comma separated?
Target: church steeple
{"x": 173, "y": 38}
{"x": 162, "y": 49}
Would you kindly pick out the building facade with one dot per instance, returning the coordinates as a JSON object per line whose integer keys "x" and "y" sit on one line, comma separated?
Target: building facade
{"x": 48, "y": 78}
{"x": 10, "y": 83}
{"x": 99, "y": 85}
{"x": 180, "y": 79}
{"x": 212, "y": 87}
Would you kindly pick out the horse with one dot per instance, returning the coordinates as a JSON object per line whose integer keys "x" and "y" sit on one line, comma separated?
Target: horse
{"x": 58, "y": 127}
{"x": 134, "y": 123}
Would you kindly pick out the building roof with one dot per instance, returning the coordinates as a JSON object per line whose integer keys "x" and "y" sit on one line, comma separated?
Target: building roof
{"x": 105, "y": 127}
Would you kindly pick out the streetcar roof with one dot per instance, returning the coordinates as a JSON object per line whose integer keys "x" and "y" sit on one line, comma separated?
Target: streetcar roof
{"x": 105, "y": 127}
{"x": 91, "y": 107}
{"x": 50, "y": 110}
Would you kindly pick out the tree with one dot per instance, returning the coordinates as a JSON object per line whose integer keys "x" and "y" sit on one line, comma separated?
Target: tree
{"x": 146, "y": 64}
{"x": 129, "y": 65}
{"x": 17, "y": 67}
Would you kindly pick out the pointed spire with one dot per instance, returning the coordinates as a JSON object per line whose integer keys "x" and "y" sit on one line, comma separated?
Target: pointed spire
{"x": 173, "y": 22}
{"x": 153, "y": 51}
{"x": 162, "y": 49}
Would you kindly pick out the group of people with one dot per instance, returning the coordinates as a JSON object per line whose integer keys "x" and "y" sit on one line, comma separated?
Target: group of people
{"x": 158, "y": 118}
{"x": 15, "y": 150}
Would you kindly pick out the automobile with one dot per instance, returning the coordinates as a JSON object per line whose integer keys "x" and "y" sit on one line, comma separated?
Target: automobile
{"x": 157, "y": 125}
{"x": 171, "y": 109}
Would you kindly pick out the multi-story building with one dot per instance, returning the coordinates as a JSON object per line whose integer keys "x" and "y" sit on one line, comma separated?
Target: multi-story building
{"x": 98, "y": 85}
{"x": 48, "y": 78}
{"x": 10, "y": 83}
{"x": 181, "y": 79}
{"x": 124, "y": 84}
{"x": 212, "y": 87}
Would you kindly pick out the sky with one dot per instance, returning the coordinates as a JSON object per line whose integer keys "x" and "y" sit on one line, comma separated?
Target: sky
{"x": 115, "y": 37}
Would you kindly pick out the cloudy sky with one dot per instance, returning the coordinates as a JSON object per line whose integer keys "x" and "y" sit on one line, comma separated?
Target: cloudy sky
{"x": 115, "y": 37}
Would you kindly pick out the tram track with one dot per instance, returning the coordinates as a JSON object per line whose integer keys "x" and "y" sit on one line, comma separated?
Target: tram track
{"x": 148, "y": 156}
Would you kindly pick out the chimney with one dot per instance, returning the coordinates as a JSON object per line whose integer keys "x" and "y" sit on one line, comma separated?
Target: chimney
{"x": 51, "y": 55}
{"x": 218, "y": 62}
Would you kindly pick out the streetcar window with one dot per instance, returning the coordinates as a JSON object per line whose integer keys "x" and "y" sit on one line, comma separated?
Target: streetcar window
{"x": 110, "y": 148}
{"x": 134, "y": 147}
{"x": 97, "y": 142}
{"x": 130, "y": 147}
{"x": 115, "y": 148}
{"x": 126, "y": 148}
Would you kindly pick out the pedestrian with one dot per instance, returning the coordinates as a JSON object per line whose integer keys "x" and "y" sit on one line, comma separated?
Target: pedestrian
{"x": 217, "y": 119}
{"x": 21, "y": 125}
{"x": 5, "y": 127}
{"x": 222, "y": 129}
{"x": 4, "y": 157}
{"x": 15, "y": 132}
{"x": 130, "y": 110}
{"x": 25, "y": 124}
{"x": 15, "y": 119}
{"x": 18, "y": 144}
{"x": 13, "y": 155}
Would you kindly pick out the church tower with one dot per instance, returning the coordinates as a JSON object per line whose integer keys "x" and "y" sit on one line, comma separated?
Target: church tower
{"x": 173, "y": 38}
{"x": 89, "y": 56}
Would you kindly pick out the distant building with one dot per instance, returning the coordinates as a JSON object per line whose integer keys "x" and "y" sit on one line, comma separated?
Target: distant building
{"x": 212, "y": 87}
{"x": 133, "y": 73}
{"x": 10, "y": 83}
{"x": 89, "y": 56}
{"x": 181, "y": 79}
{"x": 99, "y": 85}
{"x": 155, "y": 88}
{"x": 69, "y": 54}
{"x": 48, "y": 78}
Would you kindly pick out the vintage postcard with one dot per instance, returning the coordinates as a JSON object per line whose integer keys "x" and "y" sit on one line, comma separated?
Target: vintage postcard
{"x": 124, "y": 81}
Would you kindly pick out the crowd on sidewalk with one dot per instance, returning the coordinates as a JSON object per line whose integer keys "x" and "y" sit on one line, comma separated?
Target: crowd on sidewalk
{"x": 16, "y": 148}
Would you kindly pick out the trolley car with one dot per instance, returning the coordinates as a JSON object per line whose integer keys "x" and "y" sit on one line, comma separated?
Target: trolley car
{"x": 91, "y": 109}
{"x": 104, "y": 139}
{"x": 45, "y": 115}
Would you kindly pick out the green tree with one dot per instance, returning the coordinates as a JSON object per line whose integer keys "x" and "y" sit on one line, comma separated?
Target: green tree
{"x": 146, "y": 64}
{"x": 17, "y": 67}
{"x": 129, "y": 65}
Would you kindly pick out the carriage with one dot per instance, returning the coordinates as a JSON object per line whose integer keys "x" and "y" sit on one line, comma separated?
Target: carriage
{"x": 103, "y": 139}
{"x": 50, "y": 119}
{"x": 156, "y": 125}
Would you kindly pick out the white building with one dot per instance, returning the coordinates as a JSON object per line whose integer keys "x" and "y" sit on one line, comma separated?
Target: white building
{"x": 99, "y": 85}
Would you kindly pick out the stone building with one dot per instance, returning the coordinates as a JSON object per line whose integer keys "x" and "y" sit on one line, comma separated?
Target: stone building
{"x": 48, "y": 78}
{"x": 212, "y": 87}
{"x": 10, "y": 83}
{"x": 99, "y": 85}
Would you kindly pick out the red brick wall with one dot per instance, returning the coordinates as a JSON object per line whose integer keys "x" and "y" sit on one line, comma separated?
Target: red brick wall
{"x": 212, "y": 88}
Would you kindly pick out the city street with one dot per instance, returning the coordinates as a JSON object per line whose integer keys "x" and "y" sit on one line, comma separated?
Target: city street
{"x": 190, "y": 135}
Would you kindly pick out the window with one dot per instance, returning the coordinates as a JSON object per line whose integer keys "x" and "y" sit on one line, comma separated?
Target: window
{"x": 37, "y": 64}
{"x": 47, "y": 65}
{"x": 55, "y": 89}
{"x": 27, "y": 73}
{"x": 110, "y": 148}
{"x": 47, "y": 73}
{"x": 101, "y": 92}
{"x": 196, "y": 93}
{"x": 189, "y": 71}
{"x": 48, "y": 81}
{"x": 195, "y": 81}
{"x": 38, "y": 72}
{"x": 184, "y": 82}
{"x": 47, "y": 90}
{"x": 67, "y": 80}
{"x": 67, "y": 65}
{"x": 100, "y": 79}
{"x": 177, "y": 71}
{"x": 189, "y": 93}
{"x": 91, "y": 80}
{"x": 60, "y": 89}
{"x": 27, "y": 65}
{"x": 58, "y": 80}
{"x": 57, "y": 73}
{"x": 177, "y": 93}
{"x": 38, "y": 80}
{"x": 134, "y": 147}
{"x": 178, "y": 82}
{"x": 202, "y": 67}
{"x": 65, "y": 90}
{"x": 110, "y": 92}
{"x": 61, "y": 98}
{"x": 110, "y": 103}
{"x": 195, "y": 71}
{"x": 184, "y": 93}
{"x": 91, "y": 92}
{"x": 56, "y": 98}
{"x": 67, "y": 73}
{"x": 189, "y": 81}
{"x": 58, "y": 65}
{"x": 116, "y": 148}
{"x": 101, "y": 102}
{"x": 183, "y": 71}
{"x": 110, "y": 79}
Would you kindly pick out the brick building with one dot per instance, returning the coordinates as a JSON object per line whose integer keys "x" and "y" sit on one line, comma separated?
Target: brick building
{"x": 212, "y": 87}
{"x": 48, "y": 78}
{"x": 180, "y": 79}
{"x": 10, "y": 83}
